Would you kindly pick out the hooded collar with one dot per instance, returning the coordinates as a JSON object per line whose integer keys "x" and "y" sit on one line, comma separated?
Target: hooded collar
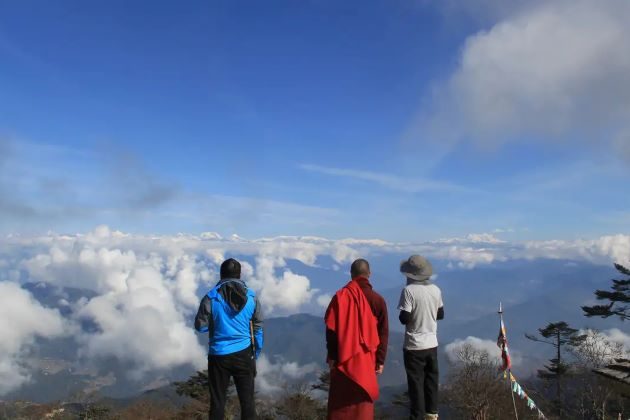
{"x": 233, "y": 292}
{"x": 231, "y": 279}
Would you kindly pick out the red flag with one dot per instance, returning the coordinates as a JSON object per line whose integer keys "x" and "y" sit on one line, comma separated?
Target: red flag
{"x": 503, "y": 345}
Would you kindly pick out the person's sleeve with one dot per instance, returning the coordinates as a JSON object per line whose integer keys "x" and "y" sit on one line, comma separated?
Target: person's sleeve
{"x": 204, "y": 315}
{"x": 383, "y": 333}
{"x": 257, "y": 322}
{"x": 406, "y": 301}
{"x": 404, "y": 317}
{"x": 332, "y": 345}
{"x": 440, "y": 314}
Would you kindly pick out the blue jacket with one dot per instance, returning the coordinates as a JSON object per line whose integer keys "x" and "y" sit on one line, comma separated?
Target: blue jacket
{"x": 230, "y": 313}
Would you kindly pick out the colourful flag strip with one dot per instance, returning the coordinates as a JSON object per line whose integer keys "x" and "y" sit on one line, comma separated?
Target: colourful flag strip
{"x": 502, "y": 343}
{"x": 518, "y": 390}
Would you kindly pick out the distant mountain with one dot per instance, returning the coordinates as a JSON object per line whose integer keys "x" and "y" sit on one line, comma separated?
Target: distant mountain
{"x": 60, "y": 298}
{"x": 301, "y": 338}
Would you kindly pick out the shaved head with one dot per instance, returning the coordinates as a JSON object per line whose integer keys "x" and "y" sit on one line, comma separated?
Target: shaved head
{"x": 360, "y": 267}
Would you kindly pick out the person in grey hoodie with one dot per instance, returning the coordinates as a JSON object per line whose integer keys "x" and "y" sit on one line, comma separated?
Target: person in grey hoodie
{"x": 420, "y": 308}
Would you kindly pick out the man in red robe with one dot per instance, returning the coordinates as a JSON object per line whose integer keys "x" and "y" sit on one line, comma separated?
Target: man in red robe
{"x": 356, "y": 337}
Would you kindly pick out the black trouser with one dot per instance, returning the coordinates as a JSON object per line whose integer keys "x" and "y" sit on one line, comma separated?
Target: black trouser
{"x": 242, "y": 367}
{"x": 422, "y": 381}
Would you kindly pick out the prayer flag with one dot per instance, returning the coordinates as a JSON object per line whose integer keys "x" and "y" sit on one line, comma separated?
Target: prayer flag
{"x": 502, "y": 343}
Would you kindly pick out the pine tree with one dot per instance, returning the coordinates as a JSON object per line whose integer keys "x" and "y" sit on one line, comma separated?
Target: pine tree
{"x": 297, "y": 403}
{"x": 324, "y": 382}
{"x": 559, "y": 335}
{"x": 619, "y": 298}
{"x": 195, "y": 387}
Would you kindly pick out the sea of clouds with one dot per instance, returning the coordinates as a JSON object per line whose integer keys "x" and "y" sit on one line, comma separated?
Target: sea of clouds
{"x": 147, "y": 287}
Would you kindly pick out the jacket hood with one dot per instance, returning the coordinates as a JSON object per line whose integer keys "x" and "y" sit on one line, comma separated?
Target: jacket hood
{"x": 234, "y": 293}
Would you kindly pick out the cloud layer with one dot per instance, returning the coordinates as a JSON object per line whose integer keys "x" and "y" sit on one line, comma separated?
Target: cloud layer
{"x": 392, "y": 182}
{"x": 22, "y": 320}
{"x": 480, "y": 345}
{"x": 551, "y": 70}
{"x": 147, "y": 288}
{"x": 274, "y": 377}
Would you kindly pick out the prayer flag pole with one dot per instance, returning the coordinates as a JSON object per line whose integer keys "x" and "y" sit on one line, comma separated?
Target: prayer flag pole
{"x": 515, "y": 387}
{"x": 506, "y": 361}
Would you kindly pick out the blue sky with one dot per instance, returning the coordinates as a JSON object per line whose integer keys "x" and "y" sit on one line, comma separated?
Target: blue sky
{"x": 394, "y": 119}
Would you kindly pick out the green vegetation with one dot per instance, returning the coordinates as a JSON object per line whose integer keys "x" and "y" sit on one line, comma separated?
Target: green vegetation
{"x": 618, "y": 299}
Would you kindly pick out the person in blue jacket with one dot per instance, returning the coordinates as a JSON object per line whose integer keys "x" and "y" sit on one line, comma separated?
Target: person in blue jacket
{"x": 231, "y": 315}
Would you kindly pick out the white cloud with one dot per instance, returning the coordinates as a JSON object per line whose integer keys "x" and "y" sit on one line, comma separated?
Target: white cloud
{"x": 485, "y": 346}
{"x": 602, "y": 347}
{"x": 289, "y": 291}
{"x": 390, "y": 181}
{"x": 142, "y": 324}
{"x": 272, "y": 377}
{"x": 143, "y": 299}
{"x": 22, "y": 319}
{"x": 464, "y": 256}
{"x": 483, "y": 249}
{"x": 557, "y": 69}
{"x": 484, "y": 238}
{"x": 617, "y": 336}
{"x": 148, "y": 287}
{"x": 36, "y": 196}
{"x": 474, "y": 238}
{"x": 503, "y": 230}
{"x": 478, "y": 344}
{"x": 606, "y": 248}
{"x": 324, "y": 300}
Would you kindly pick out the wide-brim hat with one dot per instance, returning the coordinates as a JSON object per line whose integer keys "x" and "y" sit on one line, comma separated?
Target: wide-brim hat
{"x": 416, "y": 267}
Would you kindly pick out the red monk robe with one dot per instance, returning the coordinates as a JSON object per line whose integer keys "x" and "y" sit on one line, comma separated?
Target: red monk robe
{"x": 354, "y": 324}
